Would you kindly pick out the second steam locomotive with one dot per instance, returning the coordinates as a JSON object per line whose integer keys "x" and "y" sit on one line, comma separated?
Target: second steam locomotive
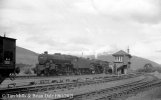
{"x": 60, "y": 64}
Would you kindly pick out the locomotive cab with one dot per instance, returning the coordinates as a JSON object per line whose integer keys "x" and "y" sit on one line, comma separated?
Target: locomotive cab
{"x": 7, "y": 57}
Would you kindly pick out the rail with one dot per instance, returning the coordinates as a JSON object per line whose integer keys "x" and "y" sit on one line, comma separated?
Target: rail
{"x": 47, "y": 87}
{"x": 115, "y": 92}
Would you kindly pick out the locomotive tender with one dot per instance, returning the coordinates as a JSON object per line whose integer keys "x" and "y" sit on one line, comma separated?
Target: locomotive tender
{"x": 7, "y": 58}
{"x": 60, "y": 64}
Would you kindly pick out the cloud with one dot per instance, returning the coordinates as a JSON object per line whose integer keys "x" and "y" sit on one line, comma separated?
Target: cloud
{"x": 89, "y": 26}
{"x": 144, "y": 11}
{"x": 85, "y": 6}
{"x": 147, "y": 49}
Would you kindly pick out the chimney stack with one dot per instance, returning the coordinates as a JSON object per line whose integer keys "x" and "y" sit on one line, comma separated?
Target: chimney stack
{"x": 5, "y": 34}
{"x": 128, "y": 50}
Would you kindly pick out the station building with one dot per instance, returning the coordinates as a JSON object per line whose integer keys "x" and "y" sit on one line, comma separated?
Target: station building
{"x": 121, "y": 62}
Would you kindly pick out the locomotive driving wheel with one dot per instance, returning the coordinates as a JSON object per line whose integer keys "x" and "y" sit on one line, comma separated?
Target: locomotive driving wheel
{"x": 12, "y": 76}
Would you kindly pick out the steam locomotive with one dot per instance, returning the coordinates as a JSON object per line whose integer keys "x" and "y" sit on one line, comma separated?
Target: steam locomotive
{"x": 61, "y": 64}
{"x": 7, "y": 58}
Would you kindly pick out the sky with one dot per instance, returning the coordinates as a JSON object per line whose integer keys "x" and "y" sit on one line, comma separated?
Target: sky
{"x": 88, "y": 26}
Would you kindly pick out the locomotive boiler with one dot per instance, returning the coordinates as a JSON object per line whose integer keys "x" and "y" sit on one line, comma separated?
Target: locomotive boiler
{"x": 61, "y": 64}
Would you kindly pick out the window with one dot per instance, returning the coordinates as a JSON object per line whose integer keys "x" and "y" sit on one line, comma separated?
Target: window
{"x": 119, "y": 59}
{"x": 116, "y": 59}
{"x": 8, "y": 57}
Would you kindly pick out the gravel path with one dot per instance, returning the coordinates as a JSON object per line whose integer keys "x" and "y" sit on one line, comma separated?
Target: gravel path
{"x": 152, "y": 94}
{"x": 77, "y": 90}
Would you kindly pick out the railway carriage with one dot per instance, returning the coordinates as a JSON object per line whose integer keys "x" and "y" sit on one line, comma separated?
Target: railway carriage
{"x": 7, "y": 57}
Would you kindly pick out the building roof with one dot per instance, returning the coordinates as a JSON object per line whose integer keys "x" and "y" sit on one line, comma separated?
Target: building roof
{"x": 121, "y": 52}
{"x": 1, "y": 37}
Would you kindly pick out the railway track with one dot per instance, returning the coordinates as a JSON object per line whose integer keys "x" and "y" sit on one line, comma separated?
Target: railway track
{"x": 48, "y": 87}
{"x": 59, "y": 76}
{"x": 132, "y": 90}
{"x": 115, "y": 92}
{"x": 51, "y": 81}
{"x": 39, "y": 77}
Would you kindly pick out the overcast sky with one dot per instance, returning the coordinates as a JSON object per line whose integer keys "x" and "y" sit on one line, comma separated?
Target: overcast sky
{"x": 88, "y": 26}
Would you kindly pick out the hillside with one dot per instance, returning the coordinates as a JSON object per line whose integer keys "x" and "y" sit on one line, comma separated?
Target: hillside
{"x": 136, "y": 62}
{"x": 25, "y": 56}
{"x": 29, "y": 57}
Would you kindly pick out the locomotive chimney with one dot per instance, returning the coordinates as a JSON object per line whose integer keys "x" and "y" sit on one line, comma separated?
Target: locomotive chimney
{"x": 45, "y": 52}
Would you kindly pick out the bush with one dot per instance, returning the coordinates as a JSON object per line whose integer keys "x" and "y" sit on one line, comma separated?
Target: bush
{"x": 28, "y": 71}
{"x": 24, "y": 68}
